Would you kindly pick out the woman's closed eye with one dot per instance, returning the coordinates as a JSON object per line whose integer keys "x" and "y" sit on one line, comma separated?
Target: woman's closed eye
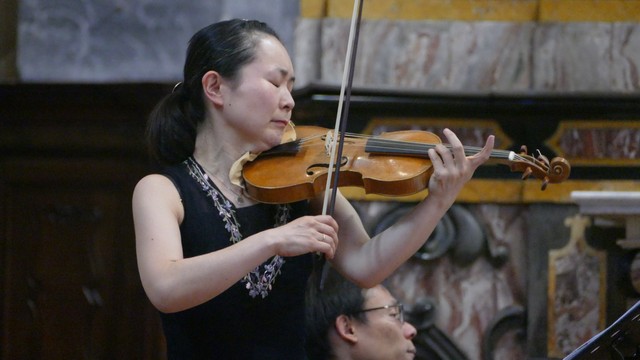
{"x": 274, "y": 83}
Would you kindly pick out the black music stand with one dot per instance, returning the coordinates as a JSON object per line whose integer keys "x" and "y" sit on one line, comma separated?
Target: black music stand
{"x": 619, "y": 341}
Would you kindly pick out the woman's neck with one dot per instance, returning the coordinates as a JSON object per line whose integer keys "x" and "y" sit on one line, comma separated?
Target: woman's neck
{"x": 217, "y": 156}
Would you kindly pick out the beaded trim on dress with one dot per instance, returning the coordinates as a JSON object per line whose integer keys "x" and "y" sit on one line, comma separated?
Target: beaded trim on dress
{"x": 258, "y": 283}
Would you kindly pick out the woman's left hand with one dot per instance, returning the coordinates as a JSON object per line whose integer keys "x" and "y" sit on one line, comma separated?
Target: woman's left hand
{"x": 452, "y": 169}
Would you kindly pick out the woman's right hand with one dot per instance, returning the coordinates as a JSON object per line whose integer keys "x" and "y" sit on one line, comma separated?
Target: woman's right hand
{"x": 308, "y": 234}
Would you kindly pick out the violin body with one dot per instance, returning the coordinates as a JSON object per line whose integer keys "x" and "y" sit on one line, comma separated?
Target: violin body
{"x": 281, "y": 177}
{"x": 392, "y": 164}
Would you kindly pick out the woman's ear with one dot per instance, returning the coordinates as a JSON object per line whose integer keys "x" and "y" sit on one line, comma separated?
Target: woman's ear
{"x": 346, "y": 329}
{"x": 211, "y": 84}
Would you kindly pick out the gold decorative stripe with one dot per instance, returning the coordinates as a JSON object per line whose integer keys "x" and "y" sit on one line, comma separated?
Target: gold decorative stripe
{"x": 508, "y": 191}
{"x": 589, "y": 10}
{"x": 476, "y": 191}
{"x": 482, "y": 10}
{"x": 313, "y": 9}
{"x": 597, "y": 143}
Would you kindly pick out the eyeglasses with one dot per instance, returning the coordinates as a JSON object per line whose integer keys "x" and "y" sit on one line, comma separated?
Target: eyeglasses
{"x": 399, "y": 315}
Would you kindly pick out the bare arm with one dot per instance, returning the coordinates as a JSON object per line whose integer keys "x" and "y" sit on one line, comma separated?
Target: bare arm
{"x": 174, "y": 283}
{"x": 369, "y": 261}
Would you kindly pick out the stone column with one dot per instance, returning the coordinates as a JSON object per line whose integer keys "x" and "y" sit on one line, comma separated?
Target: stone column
{"x": 613, "y": 208}
{"x": 616, "y": 208}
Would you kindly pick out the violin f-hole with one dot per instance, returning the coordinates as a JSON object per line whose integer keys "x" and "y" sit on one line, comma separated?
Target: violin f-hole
{"x": 310, "y": 169}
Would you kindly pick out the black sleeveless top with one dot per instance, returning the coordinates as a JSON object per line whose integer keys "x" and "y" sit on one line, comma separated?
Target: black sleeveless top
{"x": 234, "y": 325}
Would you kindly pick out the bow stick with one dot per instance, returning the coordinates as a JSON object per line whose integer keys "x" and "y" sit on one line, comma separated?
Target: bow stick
{"x": 337, "y": 140}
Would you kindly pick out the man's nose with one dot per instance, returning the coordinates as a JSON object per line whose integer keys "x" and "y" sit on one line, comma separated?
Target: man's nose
{"x": 409, "y": 330}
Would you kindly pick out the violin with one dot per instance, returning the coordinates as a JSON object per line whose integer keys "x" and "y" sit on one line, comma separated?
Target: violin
{"x": 392, "y": 164}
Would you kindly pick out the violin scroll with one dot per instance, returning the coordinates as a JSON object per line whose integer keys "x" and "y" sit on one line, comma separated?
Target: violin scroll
{"x": 555, "y": 171}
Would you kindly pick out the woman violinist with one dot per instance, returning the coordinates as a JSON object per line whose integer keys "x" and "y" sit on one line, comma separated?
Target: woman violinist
{"x": 228, "y": 274}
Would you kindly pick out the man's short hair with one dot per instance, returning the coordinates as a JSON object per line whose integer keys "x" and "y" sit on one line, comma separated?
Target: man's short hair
{"x": 338, "y": 296}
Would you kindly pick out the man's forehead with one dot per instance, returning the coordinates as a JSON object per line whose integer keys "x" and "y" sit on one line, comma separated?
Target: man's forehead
{"x": 379, "y": 296}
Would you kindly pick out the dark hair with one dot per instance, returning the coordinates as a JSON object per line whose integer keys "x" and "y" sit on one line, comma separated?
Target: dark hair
{"x": 338, "y": 297}
{"x": 224, "y": 47}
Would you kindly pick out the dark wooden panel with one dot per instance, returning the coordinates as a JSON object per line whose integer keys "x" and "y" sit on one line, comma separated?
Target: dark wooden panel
{"x": 70, "y": 158}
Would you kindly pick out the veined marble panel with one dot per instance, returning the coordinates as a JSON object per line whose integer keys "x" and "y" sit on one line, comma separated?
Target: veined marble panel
{"x": 592, "y": 57}
{"x": 122, "y": 41}
{"x": 598, "y": 142}
{"x": 625, "y": 52}
{"x": 572, "y": 57}
{"x": 430, "y": 55}
{"x": 481, "y": 56}
{"x": 468, "y": 297}
{"x": 307, "y": 52}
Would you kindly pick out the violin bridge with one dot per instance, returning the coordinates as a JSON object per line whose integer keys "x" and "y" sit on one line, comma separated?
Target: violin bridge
{"x": 328, "y": 140}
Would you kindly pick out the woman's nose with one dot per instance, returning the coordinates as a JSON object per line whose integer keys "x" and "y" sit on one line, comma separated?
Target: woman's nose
{"x": 287, "y": 101}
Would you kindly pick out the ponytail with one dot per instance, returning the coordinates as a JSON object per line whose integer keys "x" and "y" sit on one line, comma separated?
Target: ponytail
{"x": 171, "y": 134}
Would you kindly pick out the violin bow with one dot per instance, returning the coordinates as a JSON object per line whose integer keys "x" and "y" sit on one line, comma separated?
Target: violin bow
{"x": 337, "y": 140}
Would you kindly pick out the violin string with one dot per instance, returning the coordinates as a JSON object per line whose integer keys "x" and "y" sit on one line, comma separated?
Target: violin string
{"x": 402, "y": 145}
{"x": 392, "y": 145}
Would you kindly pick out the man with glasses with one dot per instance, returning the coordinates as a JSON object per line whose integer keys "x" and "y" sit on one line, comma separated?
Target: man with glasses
{"x": 346, "y": 322}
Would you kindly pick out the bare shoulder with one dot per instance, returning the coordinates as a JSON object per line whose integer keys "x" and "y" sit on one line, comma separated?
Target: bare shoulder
{"x": 155, "y": 184}
{"x": 156, "y": 190}
{"x": 154, "y": 180}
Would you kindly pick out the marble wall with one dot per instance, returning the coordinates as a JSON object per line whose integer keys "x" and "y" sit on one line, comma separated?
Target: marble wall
{"x": 123, "y": 41}
{"x": 107, "y": 41}
{"x": 477, "y": 56}
{"x": 471, "y": 276}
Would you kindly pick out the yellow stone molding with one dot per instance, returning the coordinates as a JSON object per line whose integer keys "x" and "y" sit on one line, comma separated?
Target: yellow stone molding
{"x": 508, "y": 191}
{"x": 480, "y": 10}
{"x": 589, "y": 10}
{"x": 485, "y": 10}
{"x": 313, "y": 9}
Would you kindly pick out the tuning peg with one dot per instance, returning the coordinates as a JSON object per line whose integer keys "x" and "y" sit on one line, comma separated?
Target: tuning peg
{"x": 543, "y": 158}
{"x": 545, "y": 182}
{"x": 526, "y": 173}
{"x": 524, "y": 150}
